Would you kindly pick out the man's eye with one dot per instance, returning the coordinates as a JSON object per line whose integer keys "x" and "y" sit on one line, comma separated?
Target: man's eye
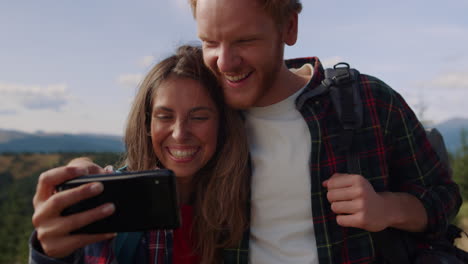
{"x": 209, "y": 43}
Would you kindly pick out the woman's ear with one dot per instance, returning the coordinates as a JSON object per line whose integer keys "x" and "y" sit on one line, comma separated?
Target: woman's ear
{"x": 290, "y": 29}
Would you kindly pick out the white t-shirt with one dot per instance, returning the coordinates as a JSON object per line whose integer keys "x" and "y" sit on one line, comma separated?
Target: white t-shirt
{"x": 282, "y": 230}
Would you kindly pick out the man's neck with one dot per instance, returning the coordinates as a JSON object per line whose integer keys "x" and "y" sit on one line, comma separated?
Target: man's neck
{"x": 289, "y": 82}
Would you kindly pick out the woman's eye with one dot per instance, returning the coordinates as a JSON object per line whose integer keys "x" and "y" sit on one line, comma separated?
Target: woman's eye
{"x": 200, "y": 117}
{"x": 246, "y": 41}
{"x": 163, "y": 117}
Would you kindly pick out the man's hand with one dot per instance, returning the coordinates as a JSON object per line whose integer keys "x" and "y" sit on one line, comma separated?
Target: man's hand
{"x": 53, "y": 230}
{"x": 356, "y": 203}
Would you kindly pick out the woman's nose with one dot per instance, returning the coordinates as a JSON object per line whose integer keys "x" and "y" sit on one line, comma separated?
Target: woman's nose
{"x": 180, "y": 130}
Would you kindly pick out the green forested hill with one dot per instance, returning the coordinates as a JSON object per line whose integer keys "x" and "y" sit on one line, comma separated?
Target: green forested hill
{"x": 18, "y": 178}
{"x": 19, "y": 142}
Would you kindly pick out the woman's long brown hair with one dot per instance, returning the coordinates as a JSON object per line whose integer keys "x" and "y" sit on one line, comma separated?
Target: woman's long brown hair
{"x": 221, "y": 188}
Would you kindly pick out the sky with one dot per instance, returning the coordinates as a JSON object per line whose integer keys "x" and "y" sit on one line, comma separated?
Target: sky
{"x": 74, "y": 66}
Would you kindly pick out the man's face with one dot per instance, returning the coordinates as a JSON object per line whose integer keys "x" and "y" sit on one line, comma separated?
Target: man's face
{"x": 243, "y": 47}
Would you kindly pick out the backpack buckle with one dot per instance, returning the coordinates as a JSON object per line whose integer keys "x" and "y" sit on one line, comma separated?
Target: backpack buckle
{"x": 343, "y": 75}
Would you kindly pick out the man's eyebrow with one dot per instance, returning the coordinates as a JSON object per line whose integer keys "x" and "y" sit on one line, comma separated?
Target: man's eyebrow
{"x": 202, "y": 37}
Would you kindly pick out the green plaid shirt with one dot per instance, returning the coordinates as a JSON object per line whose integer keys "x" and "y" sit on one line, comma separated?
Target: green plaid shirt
{"x": 393, "y": 151}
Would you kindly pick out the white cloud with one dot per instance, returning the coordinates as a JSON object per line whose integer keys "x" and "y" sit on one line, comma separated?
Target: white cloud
{"x": 454, "y": 80}
{"x": 131, "y": 80}
{"x": 8, "y": 111}
{"x": 52, "y": 97}
{"x": 448, "y": 80}
{"x": 146, "y": 61}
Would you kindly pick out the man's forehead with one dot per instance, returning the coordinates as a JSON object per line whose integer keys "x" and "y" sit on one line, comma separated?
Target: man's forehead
{"x": 223, "y": 4}
{"x": 229, "y": 21}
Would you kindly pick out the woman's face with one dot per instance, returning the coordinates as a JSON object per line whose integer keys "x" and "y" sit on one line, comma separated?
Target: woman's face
{"x": 184, "y": 126}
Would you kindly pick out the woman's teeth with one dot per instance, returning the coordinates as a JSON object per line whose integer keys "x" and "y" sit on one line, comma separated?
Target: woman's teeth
{"x": 186, "y": 153}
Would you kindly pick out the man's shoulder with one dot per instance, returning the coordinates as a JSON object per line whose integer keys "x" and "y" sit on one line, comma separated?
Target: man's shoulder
{"x": 299, "y": 62}
{"x": 377, "y": 94}
{"x": 375, "y": 86}
{"x": 366, "y": 79}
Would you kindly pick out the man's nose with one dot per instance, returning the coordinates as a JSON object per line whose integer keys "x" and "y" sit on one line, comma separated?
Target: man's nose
{"x": 228, "y": 59}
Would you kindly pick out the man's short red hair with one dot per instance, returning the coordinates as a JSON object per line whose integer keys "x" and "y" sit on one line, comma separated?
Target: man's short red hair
{"x": 279, "y": 10}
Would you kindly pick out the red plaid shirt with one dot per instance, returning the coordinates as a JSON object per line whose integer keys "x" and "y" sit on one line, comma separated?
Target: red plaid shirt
{"x": 393, "y": 151}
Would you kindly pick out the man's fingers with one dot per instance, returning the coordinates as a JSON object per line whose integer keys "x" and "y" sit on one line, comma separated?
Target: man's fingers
{"x": 353, "y": 220}
{"x": 341, "y": 180}
{"x": 347, "y": 207}
{"x": 345, "y": 194}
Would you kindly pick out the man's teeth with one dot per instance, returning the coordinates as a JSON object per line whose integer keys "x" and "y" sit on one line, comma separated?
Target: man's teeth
{"x": 236, "y": 77}
{"x": 182, "y": 153}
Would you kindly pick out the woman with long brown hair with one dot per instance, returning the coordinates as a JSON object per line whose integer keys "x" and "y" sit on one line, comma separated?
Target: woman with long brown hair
{"x": 178, "y": 121}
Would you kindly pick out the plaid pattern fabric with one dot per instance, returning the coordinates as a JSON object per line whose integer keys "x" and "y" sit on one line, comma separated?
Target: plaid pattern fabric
{"x": 99, "y": 253}
{"x": 394, "y": 155}
{"x": 160, "y": 246}
{"x": 155, "y": 248}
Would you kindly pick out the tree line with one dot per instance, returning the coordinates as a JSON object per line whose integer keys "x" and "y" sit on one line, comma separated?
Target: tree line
{"x": 16, "y": 192}
{"x": 18, "y": 179}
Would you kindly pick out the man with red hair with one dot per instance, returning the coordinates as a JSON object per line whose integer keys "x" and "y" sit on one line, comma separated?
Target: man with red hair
{"x": 304, "y": 209}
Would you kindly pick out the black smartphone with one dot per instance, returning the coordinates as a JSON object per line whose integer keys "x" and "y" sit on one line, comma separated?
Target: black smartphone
{"x": 143, "y": 200}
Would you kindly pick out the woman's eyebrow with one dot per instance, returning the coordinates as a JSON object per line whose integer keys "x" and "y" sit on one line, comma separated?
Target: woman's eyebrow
{"x": 162, "y": 108}
{"x": 201, "y": 108}
{"x": 165, "y": 108}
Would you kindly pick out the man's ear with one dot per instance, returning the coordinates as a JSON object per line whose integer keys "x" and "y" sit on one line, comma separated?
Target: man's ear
{"x": 290, "y": 29}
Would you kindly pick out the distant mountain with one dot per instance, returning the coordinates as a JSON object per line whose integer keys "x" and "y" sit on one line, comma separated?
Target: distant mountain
{"x": 16, "y": 141}
{"x": 8, "y": 135}
{"x": 451, "y": 130}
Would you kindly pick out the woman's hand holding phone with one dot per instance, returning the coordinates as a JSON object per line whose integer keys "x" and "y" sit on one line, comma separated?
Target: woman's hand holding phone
{"x": 53, "y": 229}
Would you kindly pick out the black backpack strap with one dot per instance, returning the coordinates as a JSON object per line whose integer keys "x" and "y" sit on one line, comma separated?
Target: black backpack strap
{"x": 343, "y": 83}
{"x": 393, "y": 246}
{"x": 437, "y": 142}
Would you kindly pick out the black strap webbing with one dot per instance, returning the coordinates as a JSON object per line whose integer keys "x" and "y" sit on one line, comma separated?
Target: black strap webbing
{"x": 388, "y": 242}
